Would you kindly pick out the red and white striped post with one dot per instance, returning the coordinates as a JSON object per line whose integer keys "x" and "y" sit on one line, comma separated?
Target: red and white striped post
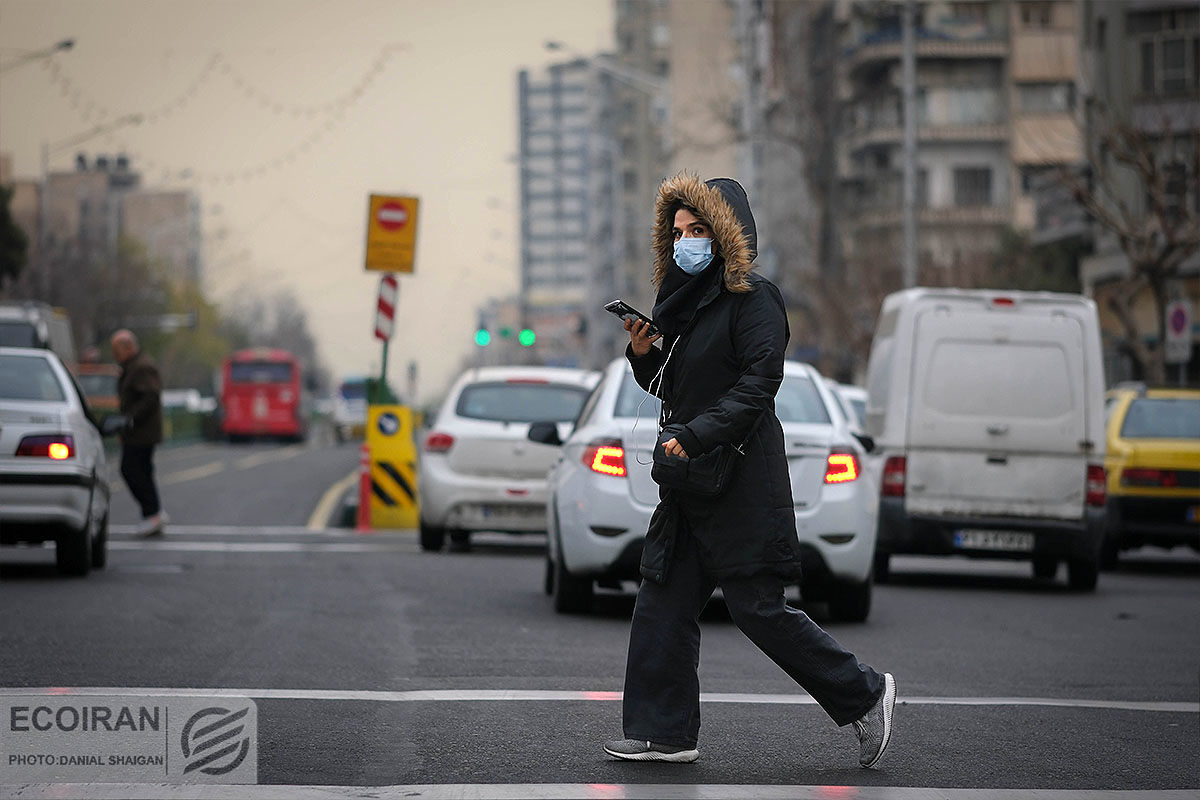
{"x": 385, "y": 310}
{"x": 362, "y": 523}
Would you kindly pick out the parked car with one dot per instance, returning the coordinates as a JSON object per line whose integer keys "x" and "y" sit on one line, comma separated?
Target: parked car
{"x": 27, "y": 323}
{"x": 853, "y": 402}
{"x": 478, "y": 470}
{"x": 602, "y": 495}
{"x": 986, "y": 410}
{"x": 53, "y": 479}
{"x": 1153, "y": 466}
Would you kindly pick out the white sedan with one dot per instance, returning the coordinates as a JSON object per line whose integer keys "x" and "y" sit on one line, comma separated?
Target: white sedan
{"x": 53, "y": 480}
{"x": 602, "y": 494}
{"x": 478, "y": 470}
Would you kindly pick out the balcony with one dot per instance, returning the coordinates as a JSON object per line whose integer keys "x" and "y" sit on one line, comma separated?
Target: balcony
{"x": 949, "y": 217}
{"x": 892, "y": 136}
{"x": 885, "y": 46}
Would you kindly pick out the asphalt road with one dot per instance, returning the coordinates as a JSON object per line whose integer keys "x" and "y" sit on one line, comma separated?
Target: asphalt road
{"x": 376, "y": 665}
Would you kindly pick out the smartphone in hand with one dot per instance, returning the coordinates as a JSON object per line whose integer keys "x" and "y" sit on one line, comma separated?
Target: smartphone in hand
{"x": 626, "y": 311}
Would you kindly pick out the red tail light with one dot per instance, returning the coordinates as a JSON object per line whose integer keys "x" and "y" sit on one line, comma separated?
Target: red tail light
{"x": 1158, "y": 478}
{"x": 841, "y": 467}
{"x": 894, "y": 475}
{"x": 606, "y": 456}
{"x": 438, "y": 442}
{"x": 1095, "y": 485}
{"x": 58, "y": 447}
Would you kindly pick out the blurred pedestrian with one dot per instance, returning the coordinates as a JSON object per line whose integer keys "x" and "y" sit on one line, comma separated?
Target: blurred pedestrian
{"x": 139, "y": 390}
{"x": 724, "y": 333}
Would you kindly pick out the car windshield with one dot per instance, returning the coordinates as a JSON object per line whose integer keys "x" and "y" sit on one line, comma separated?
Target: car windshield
{"x": 1162, "y": 418}
{"x": 353, "y": 390}
{"x": 260, "y": 372}
{"x": 797, "y": 401}
{"x": 634, "y": 398}
{"x": 29, "y": 378}
{"x": 98, "y": 385}
{"x": 18, "y": 334}
{"x": 518, "y": 401}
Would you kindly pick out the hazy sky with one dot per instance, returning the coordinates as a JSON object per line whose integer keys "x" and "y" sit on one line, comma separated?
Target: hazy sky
{"x": 284, "y": 115}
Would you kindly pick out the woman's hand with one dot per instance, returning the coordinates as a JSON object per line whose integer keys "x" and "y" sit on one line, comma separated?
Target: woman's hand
{"x": 674, "y": 448}
{"x": 639, "y": 336}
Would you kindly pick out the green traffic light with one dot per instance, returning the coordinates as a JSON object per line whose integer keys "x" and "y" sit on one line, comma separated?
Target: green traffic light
{"x": 482, "y": 337}
{"x": 526, "y": 337}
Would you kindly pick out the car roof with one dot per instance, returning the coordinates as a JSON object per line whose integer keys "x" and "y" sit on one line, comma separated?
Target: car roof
{"x": 30, "y": 351}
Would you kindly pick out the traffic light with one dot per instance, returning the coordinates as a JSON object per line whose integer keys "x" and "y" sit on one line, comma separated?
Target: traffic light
{"x": 526, "y": 337}
{"x": 483, "y": 337}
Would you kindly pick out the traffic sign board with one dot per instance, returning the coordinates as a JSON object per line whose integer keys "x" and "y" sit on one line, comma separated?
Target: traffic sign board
{"x": 1179, "y": 332}
{"x": 391, "y": 233}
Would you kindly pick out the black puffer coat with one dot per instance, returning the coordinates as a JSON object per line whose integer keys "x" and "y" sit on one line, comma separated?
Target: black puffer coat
{"x": 721, "y": 378}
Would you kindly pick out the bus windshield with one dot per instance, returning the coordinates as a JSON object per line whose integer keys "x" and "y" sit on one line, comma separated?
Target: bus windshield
{"x": 261, "y": 372}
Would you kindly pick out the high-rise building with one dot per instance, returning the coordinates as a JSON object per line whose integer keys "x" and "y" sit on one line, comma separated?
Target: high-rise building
{"x": 571, "y": 237}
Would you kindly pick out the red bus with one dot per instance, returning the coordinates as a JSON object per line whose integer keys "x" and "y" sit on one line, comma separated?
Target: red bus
{"x": 262, "y": 394}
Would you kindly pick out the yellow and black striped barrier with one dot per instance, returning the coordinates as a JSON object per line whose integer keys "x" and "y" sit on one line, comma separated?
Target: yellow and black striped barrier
{"x": 394, "y": 501}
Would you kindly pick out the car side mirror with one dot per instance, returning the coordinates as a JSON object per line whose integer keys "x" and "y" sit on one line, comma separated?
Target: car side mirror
{"x": 112, "y": 424}
{"x": 866, "y": 441}
{"x": 544, "y": 433}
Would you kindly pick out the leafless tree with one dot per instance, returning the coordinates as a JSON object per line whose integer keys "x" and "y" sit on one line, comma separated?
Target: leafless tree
{"x": 1157, "y": 234}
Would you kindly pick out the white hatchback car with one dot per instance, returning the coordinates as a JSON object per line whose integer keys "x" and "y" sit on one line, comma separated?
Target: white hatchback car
{"x": 479, "y": 472}
{"x": 53, "y": 481}
{"x": 602, "y": 494}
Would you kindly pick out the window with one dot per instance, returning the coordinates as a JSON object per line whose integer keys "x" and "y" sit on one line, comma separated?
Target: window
{"x": 19, "y": 334}
{"x": 799, "y": 401}
{"x": 521, "y": 402}
{"x": 1043, "y": 98}
{"x": 969, "y": 12}
{"x": 260, "y": 372}
{"x": 1162, "y": 418}
{"x": 1168, "y": 51}
{"x": 1036, "y": 14}
{"x": 1175, "y": 190}
{"x": 29, "y": 378}
{"x": 633, "y": 401}
{"x": 972, "y": 186}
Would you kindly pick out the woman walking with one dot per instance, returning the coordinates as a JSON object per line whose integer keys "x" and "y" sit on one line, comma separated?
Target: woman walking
{"x": 724, "y": 332}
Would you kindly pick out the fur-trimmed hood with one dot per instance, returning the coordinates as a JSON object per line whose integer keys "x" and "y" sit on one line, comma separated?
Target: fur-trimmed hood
{"x": 720, "y": 202}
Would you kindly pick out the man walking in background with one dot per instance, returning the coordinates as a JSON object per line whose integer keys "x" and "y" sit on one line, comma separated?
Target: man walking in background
{"x": 140, "y": 393}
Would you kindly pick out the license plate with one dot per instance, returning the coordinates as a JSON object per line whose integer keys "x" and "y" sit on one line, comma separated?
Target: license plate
{"x": 973, "y": 539}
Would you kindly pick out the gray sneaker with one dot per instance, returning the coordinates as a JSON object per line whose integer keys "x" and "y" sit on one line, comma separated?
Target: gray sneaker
{"x": 875, "y": 728}
{"x": 639, "y": 750}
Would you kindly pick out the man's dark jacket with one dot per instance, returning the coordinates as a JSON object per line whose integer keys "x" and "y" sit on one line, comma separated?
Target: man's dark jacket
{"x": 721, "y": 383}
{"x": 140, "y": 391}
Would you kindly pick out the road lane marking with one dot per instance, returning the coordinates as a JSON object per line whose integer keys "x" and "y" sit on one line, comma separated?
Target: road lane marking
{"x": 553, "y": 695}
{"x": 324, "y": 510}
{"x": 258, "y": 459}
{"x": 570, "y": 791}
{"x": 192, "y": 474}
{"x": 239, "y": 530}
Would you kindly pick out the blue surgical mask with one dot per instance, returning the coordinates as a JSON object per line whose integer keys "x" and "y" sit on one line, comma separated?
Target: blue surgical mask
{"x": 693, "y": 254}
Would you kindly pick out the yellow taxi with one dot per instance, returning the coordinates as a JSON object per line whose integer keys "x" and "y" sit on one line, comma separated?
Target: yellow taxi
{"x": 1153, "y": 466}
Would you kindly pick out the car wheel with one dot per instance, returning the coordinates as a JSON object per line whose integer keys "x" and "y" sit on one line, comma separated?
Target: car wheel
{"x": 883, "y": 567}
{"x": 100, "y": 545}
{"x": 73, "y": 551}
{"x": 572, "y": 594}
{"x": 1082, "y": 574}
{"x": 460, "y": 541}
{"x": 432, "y": 537}
{"x": 850, "y": 601}
{"x": 1045, "y": 567}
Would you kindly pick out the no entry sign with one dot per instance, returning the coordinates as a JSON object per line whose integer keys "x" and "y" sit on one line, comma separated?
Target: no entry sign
{"x": 391, "y": 233}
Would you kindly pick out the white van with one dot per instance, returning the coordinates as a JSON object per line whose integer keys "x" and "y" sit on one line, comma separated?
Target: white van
{"x": 987, "y": 411}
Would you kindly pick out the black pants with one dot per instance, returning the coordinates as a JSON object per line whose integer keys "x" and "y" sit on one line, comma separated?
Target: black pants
{"x": 137, "y": 468}
{"x": 662, "y": 688}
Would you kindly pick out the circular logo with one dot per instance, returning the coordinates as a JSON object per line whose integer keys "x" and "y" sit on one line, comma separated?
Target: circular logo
{"x": 212, "y": 741}
{"x": 1178, "y": 319}
{"x": 389, "y": 424}
{"x": 392, "y": 216}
